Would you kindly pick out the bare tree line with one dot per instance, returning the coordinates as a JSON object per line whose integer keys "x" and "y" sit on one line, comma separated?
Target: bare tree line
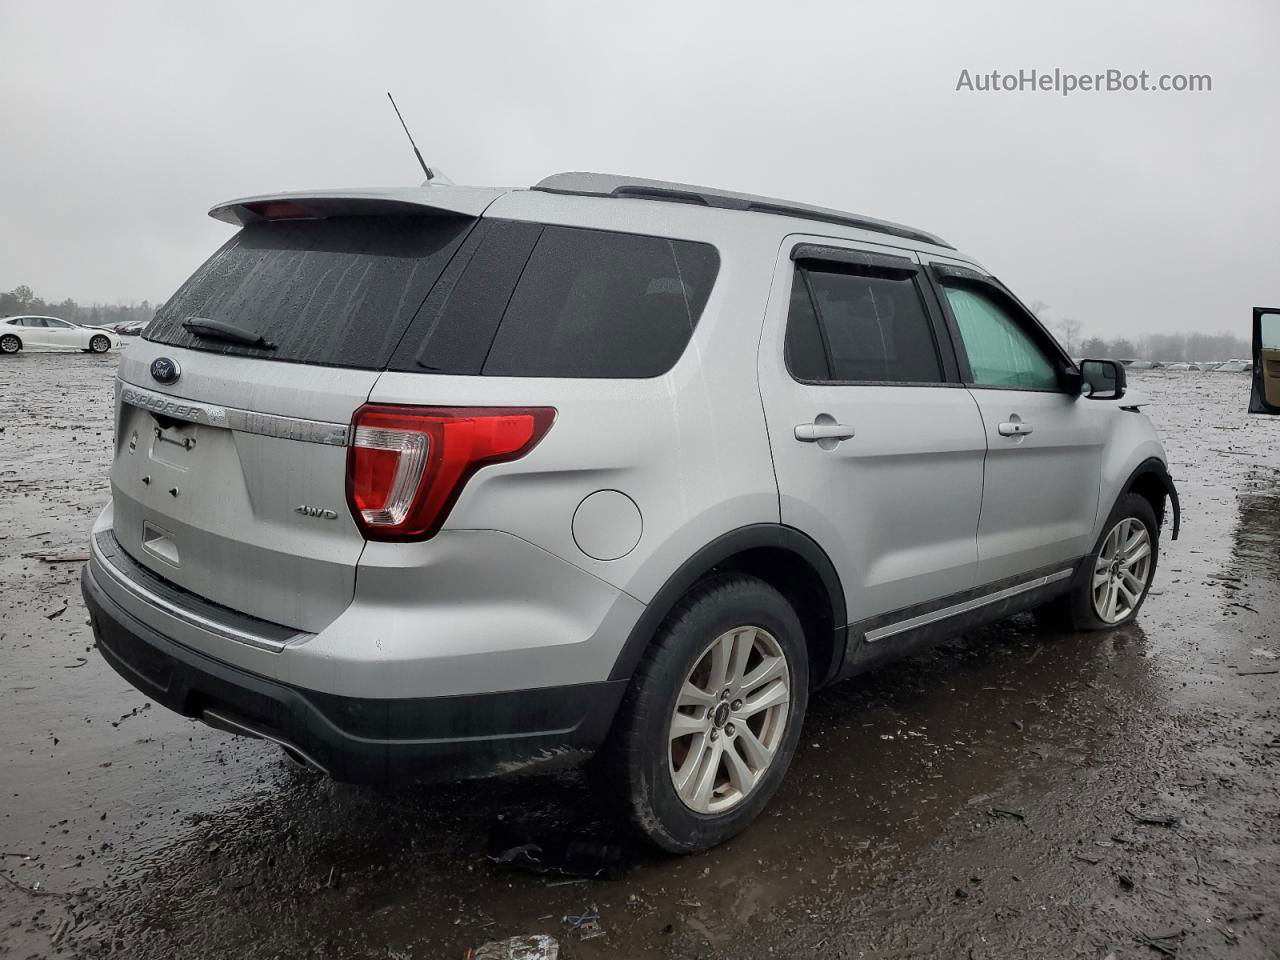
{"x": 1169, "y": 347}
{"x": 22, "y": 300}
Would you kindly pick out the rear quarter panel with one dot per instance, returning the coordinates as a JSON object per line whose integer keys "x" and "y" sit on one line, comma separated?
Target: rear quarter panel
{"x": 689, "y": 447}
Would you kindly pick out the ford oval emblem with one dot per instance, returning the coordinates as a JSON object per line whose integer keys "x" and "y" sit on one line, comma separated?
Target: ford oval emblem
{"x": 165, "y": 370}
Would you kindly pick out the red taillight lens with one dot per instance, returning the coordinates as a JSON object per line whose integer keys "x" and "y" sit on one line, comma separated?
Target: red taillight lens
{"x": 279, "y": 210}
{"x": 406, "y": 466}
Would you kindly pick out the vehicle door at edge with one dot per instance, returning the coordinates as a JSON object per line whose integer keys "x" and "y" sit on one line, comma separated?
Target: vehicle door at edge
{"x": 1265, "y": 395}
{"x": 1044, "y": 446}
{"x": 877, "y": 448}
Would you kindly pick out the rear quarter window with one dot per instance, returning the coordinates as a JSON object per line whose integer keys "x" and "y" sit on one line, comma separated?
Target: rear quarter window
{"x": 592, "y": 303}
{"x": 524, "y": 299}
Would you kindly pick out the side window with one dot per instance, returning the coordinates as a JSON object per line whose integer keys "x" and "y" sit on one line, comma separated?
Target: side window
{"x": 1001, "y": 353}
{"x": 592, "y": 303}
{"x": 57, "y": 324}
{"x": 805, "y": 354}
{"x": 859, "y": 326}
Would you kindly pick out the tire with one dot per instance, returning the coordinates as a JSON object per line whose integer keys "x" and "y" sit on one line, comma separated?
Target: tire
{"x": 99, "y": 344}
{"x": 716, "y": 624}
{"x": 1128, "y": 575}
{"x": 9, "y": 343}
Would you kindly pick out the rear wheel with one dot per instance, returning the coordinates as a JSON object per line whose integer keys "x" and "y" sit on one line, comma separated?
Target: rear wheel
{"x": 9, "y": 343}
{"x": 713, "y": 715}
{"x": 1114, "y": 580}
{"x": 99, "y": 344}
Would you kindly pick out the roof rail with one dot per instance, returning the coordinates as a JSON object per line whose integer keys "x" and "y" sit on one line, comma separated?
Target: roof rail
{"x": 612, "y": 185}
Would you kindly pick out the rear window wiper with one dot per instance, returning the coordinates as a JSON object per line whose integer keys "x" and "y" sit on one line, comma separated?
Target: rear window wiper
{"x": 221, "y": 330}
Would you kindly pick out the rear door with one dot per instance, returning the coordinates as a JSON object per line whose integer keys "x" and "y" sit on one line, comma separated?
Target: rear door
{"x": 1044, "y": 459}
{"x": 34, "y": 332}
{"x": 230, "y": 471}
{"x": 877, "y": 447}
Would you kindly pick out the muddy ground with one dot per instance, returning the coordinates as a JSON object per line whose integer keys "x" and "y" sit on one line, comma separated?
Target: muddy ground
{"x": 992, "y": 799}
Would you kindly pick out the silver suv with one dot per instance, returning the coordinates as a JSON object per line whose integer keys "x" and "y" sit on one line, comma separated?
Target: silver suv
{"x": 446, "y": 481}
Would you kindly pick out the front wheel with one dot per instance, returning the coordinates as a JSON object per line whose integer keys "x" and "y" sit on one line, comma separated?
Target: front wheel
{"x": 712, "y": 718}
{"x": 10, "y": 344}
{"x": 99, "y": 344}
{"x": 1114, "y": 580}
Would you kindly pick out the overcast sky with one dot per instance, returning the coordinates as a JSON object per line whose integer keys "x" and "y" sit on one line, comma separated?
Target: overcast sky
{"x": 1130, "y": 212}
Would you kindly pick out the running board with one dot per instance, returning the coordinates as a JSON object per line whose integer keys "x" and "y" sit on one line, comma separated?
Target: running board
{"x": 966, "y": 606}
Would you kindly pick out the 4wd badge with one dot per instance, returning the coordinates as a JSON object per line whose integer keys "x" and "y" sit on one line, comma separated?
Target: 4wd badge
{"x": 321, "y": 513}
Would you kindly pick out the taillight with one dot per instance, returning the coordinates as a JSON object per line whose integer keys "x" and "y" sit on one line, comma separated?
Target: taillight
{"x": 406, "y": 466}
{"x": 279, "y": 210}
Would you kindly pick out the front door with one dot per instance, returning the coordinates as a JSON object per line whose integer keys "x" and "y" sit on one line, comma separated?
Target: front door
{"x": 1044, "y": 443}
{"x": 877, "y": 447}
{"x": 59, "y": 333}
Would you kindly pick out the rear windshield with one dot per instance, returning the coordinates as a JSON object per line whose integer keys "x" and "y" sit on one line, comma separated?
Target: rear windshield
{"x": 450, "y": 295}
{"x": 339, "y": 292}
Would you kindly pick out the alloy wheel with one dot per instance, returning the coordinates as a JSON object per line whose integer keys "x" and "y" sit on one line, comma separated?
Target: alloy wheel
{"x": 1122, "y": 570}
{"x": 729, "y": 719}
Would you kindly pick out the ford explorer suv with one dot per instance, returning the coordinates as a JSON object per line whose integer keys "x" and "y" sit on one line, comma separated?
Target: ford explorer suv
{"x": 447, "y": 482}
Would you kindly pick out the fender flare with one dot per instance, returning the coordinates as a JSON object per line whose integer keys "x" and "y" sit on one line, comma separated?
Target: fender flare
{"x": 1153, "y": 466}
{"x": 753, "y": 536}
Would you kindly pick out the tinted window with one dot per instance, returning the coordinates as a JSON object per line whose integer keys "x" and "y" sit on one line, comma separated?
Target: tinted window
{"x": 456, "y": 326}
{"x": 596, "y": 304}
{"x": 805, "y": 354}
{"x": 1001, "y": 353}
{"x": 874, "y": 326}
{"x": 339, "y": 292}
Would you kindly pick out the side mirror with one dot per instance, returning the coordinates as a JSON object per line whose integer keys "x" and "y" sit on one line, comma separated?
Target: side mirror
{"x": 1103, "y": 379}
{"x": 1265, "y": 397}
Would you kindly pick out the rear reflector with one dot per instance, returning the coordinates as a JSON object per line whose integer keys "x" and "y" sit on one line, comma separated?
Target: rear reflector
{"x": 406, "y": 466}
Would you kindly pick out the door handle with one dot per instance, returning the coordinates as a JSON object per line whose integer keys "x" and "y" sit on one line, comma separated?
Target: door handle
{"x": 813, "y": 432}
{"x": 1014, "y": 428}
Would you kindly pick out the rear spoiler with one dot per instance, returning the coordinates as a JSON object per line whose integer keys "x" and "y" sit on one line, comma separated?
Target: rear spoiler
{"x": 427, "y": 200}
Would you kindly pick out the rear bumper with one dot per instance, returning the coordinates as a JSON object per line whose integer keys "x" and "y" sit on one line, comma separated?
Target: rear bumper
{"x": 361, "y": 740}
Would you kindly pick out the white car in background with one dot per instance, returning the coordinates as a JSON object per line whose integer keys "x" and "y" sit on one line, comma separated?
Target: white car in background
{"x": 51, "y": 333}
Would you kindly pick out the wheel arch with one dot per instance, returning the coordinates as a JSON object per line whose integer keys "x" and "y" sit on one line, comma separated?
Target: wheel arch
{"x": 1151, "y": 481}
{"x": 782, "y": 556}
{"x": 10, "y": 333}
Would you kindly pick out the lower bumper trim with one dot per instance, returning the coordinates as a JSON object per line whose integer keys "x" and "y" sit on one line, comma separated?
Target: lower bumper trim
{"x": 359, "y": 740}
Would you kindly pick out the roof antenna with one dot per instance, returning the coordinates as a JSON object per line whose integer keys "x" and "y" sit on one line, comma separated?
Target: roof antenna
{"x": 416, "y": 152}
